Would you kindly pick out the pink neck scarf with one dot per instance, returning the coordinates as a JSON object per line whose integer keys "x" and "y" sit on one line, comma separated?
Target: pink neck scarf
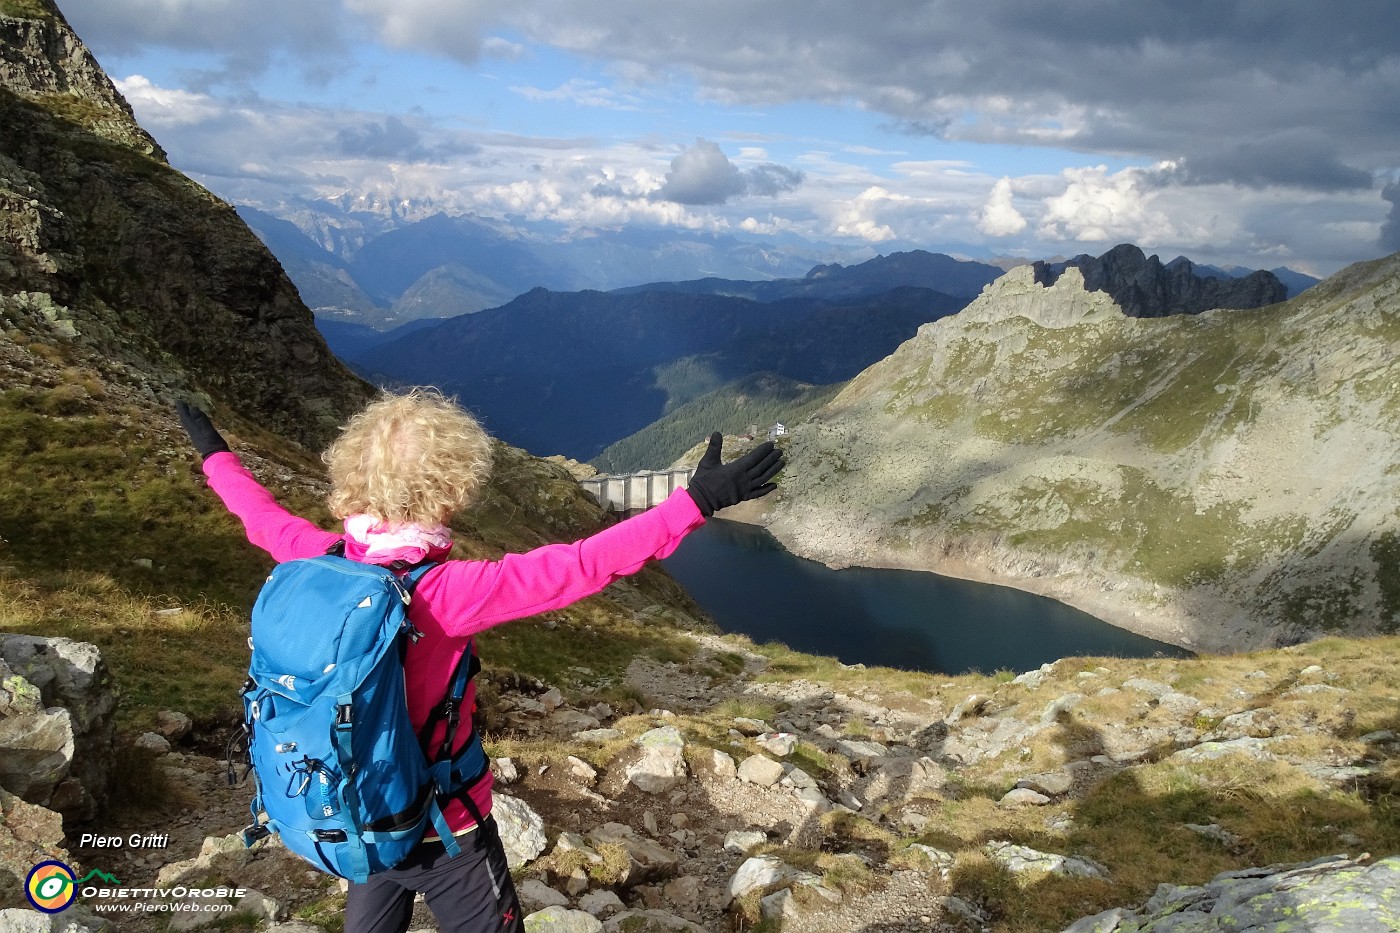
{"x": 378, "y": 542}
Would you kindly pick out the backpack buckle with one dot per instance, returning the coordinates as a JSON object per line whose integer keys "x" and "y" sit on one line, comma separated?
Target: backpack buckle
{"x": 253, "y": 833}
{"x": 343, "y": 715}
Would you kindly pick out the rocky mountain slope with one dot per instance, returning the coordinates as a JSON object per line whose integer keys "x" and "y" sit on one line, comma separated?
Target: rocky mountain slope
{"x": 1219, "y": 481}
{"x": 753, "y": 789}
{"x": 747, "y": 406}
{"x": 132, "y": 261}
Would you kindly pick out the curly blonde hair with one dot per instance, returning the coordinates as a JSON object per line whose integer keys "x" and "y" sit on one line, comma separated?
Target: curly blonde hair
{"x": 416, "y": 457}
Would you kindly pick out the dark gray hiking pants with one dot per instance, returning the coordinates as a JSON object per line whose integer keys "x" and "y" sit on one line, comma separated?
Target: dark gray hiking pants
{"x": 471, "y": 893}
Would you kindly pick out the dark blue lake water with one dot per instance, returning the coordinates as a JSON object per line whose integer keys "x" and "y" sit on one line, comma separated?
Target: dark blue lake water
{"x": 907, "y": 619}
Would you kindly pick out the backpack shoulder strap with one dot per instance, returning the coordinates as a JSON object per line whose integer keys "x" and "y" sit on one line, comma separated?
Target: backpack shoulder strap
{"x": 410, "y": 579}
{"x": 450, "y": 709}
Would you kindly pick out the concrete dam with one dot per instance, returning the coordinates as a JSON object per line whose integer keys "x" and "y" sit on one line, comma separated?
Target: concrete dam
{"x": 635, "y": 491}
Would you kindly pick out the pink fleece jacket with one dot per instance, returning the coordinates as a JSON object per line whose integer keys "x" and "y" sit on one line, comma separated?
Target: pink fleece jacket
{"x": 458, "y": 598}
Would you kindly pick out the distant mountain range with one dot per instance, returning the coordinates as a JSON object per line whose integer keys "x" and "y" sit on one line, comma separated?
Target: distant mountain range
{"x": 385, "y": 265}
{"x": 574, "y": 372}
{"x": 376, "y": 269}
{"x": 571, "y": 372}
{"x": 835, "y": 282}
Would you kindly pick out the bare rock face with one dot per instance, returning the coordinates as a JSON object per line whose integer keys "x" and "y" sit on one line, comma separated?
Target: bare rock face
{"x": 29, "y": 834}
{"x": 42, "y": 59}
{"x": 1143, "y": 287}
{"x": 1328, "y": 895}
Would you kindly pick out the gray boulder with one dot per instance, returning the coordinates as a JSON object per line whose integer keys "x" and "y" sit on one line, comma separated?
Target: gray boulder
{"x": 75, "y": 920}
{"x": 56, "y": 745}
{"x": 521, "y": 828}
{"x": 562, "y": 920}
{"x": 1328, "y": 895}
{"x": 1023, "y": 860}
{"x": 662, "y": 763}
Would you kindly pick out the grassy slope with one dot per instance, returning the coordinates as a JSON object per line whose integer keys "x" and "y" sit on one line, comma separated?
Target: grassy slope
{"x": 23, "y": 9}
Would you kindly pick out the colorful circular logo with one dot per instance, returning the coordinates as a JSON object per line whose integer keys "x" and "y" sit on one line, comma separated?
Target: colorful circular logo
{"x": 50, "y": 887}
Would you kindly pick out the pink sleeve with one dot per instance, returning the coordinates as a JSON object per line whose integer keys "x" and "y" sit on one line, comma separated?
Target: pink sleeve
{"x": 467, "y": 596}
{"x": 283, "y": 535}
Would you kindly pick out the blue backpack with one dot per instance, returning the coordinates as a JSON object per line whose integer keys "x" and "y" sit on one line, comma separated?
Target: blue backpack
{"x": 340, "y": 773}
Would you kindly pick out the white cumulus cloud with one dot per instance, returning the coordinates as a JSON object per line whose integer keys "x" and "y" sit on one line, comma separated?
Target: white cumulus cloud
{"x": 859, "y": 217}
{"x": 999, "y": 216}
{"x": 1097, "y": 206}
{"x": 162, "y": 107}
{"x": 703, "y": 174}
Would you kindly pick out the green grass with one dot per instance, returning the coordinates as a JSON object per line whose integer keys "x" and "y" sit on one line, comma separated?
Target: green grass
{"x": 190, "y": 659}
{"x": 1151, "y": 532}
{"x": 24, "y": 9}
{"x": 90, "y": 489}
{"x": 327, "y": 913}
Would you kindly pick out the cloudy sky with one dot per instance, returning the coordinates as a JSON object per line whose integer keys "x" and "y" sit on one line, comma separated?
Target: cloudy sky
{"x": 1252, "y": 132}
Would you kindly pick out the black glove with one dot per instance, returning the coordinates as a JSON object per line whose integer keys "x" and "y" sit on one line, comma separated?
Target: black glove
{"x": 717, "y": 485}
{"x": 201, "y": 430}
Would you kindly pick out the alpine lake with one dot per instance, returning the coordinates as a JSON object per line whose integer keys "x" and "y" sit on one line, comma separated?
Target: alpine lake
{"x": 912, "y": 620}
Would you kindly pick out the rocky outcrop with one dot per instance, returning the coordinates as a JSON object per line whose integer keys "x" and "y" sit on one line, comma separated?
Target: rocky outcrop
{"x": 1143, "y": 287}
{"x": 1223, "y": 480}
{"x": 57, "y": 724}
{"x": 29, "y": 834}
{"x": 1328, "y": 895}
{"x": 141, "y": 264}
{"x": 42, "y": 59}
